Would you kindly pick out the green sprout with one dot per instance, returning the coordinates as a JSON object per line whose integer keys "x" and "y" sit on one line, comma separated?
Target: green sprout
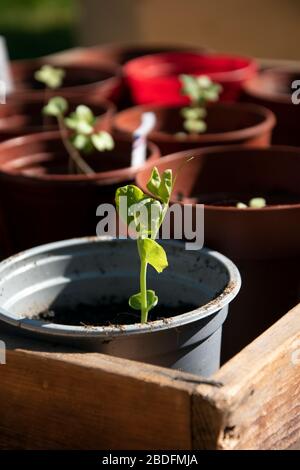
{"x": 200, "y": 90}
{"x": 144, "y": 215}
{"x": 254, "y": 203}
{"x": 78, "y": 132}
{"x": 51, "y": 77}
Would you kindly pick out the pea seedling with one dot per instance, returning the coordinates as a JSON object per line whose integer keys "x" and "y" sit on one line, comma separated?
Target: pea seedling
{"x": 200, "y": 90}
{"x": 78, "y": 132}
{"x": 254, "y": 203}
{"x": 144, "y": 215}
{"x": 50, "y": 76}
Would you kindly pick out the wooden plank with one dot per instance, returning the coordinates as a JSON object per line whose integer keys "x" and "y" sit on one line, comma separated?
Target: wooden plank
{"x": 55, "y": 399}
{"x": 69, "y": 400}
{"x": 258, "y": 406}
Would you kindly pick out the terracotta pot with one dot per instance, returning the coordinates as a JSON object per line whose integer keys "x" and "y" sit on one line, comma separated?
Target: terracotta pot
{"x": 228, "y": 123}
{"x": 80, "y": 81}
{"x": 264, "y": 243}
{"x": 27, "y": 118}
{"x": 273, "y": 89}
{"x": 154, "y": 79}
{"x": 41, "y": 202}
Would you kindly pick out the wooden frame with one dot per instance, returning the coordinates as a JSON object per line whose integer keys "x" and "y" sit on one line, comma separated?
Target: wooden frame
{"x": 77, "y": 400}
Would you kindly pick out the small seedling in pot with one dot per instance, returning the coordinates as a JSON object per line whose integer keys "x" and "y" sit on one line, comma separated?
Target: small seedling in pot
{"x": 200, "y": 90}
{"x": 254, "y": 203}
{"x": 78, "y": 133}
{"x": 50, "y": 76}
{"x": 144, "y": 215}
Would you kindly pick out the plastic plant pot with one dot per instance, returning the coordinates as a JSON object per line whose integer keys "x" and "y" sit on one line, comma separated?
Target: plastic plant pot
{"x": 227, "y": 123}
{"x": 264, "y": 243}
{"x": 41, "y": 202}
{"x": 273, "y": 89}
{"x": 104, "y": 271}
{"x": 154, "y": 79}
{"x": 80, "y": 81}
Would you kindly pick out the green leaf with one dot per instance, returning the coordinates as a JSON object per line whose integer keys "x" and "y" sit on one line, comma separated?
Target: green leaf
{"x": 84, "y": 127}
{"x": 147, "y": 215}
{"x": 71, "y": 122}
{"x": 103, "y": 141}
{"x": 154, "y": 182}
{"x": 161, "y": 186}
{"x": 166, "y": 186}
{"x": 199, "y": 89}
{"x": 80, "y": 141}
{"x": 241, "y": 205}
{"x": 154, "y": 254}
{"x": 195, "y": 126}
{"x": 132, "y": 195}
{"x": 84, "y": 113}
{"x": 52, "y": 77}
{"x": 56, "y": 106}
{"x": 257, "y": 203}
{"x": 190, "y": 87}
{"x": 135, "y": 301}
{"x": 204, "y": 81}
{"x": 194, "y": 113}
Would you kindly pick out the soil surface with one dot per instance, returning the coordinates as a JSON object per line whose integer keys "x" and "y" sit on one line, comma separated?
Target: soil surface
{"x": 107, "y": 314}
{"x": 277, "y": 198}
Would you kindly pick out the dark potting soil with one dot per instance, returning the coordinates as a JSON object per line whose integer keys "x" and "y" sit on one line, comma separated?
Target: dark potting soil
{"x": 275, "y": 198}
{"x": 107, "y": 314}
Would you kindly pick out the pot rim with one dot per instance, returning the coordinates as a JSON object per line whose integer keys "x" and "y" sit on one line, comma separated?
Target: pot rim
{"x": 222, "y": 300}
{"x": 105, "y": 177}
{"x": 222, "y": 149}
{"x": 109, "y": 110}
{"x": 223, "y": 76}
{"x": 114, "y": 72}
{"x": 252, "y": 87}
{"x": 268, "y": 123}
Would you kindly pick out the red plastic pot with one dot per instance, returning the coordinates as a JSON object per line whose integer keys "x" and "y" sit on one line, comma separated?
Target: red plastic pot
{"x": 154, "y": 79}
{"x": 228, "y": 123}
{"x": 113, "y": 55}
{"x": 81, "y": 80}
{"x": 273, "y": 88}
{"x": 41, "y": 202}
{"x": 264, "y": 243}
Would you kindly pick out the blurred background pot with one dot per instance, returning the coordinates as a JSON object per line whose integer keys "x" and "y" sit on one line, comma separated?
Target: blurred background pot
{"x": 154, "y": 79}
{"x": 227, "y": 123}
{"x": 264, "y": 243}
{"x": 116, "y": 54}
{"x": 99, "y": 272}
{"x": 80, "y": 80}
{"x": 41, "y": 202}
{"x": 26, "y": 117}
{"x": 273, "y": 89}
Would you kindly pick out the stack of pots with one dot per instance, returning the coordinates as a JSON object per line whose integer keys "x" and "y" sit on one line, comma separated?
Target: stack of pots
{"x": 233, "y": 161}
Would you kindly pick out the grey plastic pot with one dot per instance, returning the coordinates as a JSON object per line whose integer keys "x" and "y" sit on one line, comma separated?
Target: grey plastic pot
{"x": 86, "y": 270}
